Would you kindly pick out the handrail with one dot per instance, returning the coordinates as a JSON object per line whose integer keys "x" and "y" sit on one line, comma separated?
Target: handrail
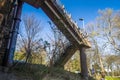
{"x": 61, "y": 14}
{"x": 70, "y": 20}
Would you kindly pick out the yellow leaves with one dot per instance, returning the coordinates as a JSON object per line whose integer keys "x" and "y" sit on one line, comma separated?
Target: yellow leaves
{"x": 19, "y": 56}
{"x": 105, "y": 13}
{"x": 116, "y": 20}
{"x": 109, "y": 11}
{"x": 94, "y": 33}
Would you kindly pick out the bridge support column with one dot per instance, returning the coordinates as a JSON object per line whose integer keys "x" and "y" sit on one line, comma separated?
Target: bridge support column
{"x": 83, "y": 60}
{"x": 70, "y": 50}
{"x": 9, "y": 55}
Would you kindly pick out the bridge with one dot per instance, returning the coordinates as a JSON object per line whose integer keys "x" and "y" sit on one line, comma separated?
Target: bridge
{"x": 9, "y": 29}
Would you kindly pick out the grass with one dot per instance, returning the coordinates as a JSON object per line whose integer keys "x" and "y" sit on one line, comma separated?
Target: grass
{"x": 41, "y": 72}
{"x": 112, "y": 78}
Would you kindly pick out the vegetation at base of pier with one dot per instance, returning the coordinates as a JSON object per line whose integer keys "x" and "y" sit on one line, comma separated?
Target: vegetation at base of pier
{"x": 98, "y": 60}
{"x": 41, "y": 72}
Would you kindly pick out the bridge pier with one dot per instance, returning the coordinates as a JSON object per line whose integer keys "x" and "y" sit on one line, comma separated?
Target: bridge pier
{"x": 9, "y": 55}
{"x": 9, "y": 30}
{"x": 83, "y": 61}
{"x": 70, "y": 50}
{"x": 68, "y": 54}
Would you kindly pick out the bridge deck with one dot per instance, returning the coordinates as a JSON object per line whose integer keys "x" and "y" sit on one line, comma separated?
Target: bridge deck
{"x": 64, "y": 23}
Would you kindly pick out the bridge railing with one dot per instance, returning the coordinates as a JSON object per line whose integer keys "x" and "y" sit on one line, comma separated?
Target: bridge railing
{"x": 68, "y": 17}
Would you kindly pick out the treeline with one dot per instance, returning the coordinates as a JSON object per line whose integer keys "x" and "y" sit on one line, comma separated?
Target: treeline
{"x": 103, "y": 32}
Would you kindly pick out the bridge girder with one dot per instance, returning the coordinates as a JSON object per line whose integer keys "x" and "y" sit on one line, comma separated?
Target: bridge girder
{"x": 64, "y": 24}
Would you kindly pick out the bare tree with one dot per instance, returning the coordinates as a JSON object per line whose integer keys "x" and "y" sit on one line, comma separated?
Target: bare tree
{"x": 104, "y": 34}
{"x": 57, "y": 44}
{"x": 95, "y": 60}
{"x": 113, "y": 64}
{"x": 29, "y": 41}
{"x": 108, "y": 21}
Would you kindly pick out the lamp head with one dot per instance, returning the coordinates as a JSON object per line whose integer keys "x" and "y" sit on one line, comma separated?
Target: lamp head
{"x": 81, "y": 19}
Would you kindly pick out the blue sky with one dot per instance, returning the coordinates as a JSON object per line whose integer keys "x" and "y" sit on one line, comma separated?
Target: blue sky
{"x": 87, "y": 9}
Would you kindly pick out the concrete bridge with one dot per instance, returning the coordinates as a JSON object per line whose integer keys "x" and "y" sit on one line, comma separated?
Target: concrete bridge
{"x": 9, "y": 29}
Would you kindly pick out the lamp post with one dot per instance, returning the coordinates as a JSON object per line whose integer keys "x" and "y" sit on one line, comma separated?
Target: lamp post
{"x": 83, "y": 25}
{"x": 82, "y": 19}
{"x": 83, "y": 58}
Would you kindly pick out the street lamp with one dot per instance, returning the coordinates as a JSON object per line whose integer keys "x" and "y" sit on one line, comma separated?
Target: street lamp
{"x": 83, "y": 26}
{"x": 82, "y": 19}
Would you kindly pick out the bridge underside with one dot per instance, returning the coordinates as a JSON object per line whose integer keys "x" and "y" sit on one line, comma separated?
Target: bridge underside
{"x": 70, "y": 50}
{"x": 9, "y": 26}
{"x": 62, "y": 21}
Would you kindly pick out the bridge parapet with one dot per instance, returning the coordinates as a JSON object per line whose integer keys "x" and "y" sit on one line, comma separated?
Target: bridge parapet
{"x": 55, "y": 10}
{"x": 73, "y": 24}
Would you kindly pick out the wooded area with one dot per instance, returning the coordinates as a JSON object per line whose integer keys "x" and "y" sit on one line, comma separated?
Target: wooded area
{"x": 103, "y": 33}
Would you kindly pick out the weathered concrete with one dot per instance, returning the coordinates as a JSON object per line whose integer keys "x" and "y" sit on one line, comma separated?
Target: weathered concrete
{"x": 70, "y": 50}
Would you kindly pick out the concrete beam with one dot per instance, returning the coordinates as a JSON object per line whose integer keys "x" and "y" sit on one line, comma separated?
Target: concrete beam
{"x": 65, "y": 56}
{"x": 62, "y": 21}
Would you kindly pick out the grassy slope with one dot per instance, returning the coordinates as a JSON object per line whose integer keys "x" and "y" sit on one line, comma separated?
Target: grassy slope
{"x": 40, "y": 72}
{"x": 112, "y": 78}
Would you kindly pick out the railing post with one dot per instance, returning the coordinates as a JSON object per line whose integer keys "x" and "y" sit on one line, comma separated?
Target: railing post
{"x": 83, "y": 60}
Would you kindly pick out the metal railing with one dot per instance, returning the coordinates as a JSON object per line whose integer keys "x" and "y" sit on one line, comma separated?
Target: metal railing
{"x": 69, "y": 18}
